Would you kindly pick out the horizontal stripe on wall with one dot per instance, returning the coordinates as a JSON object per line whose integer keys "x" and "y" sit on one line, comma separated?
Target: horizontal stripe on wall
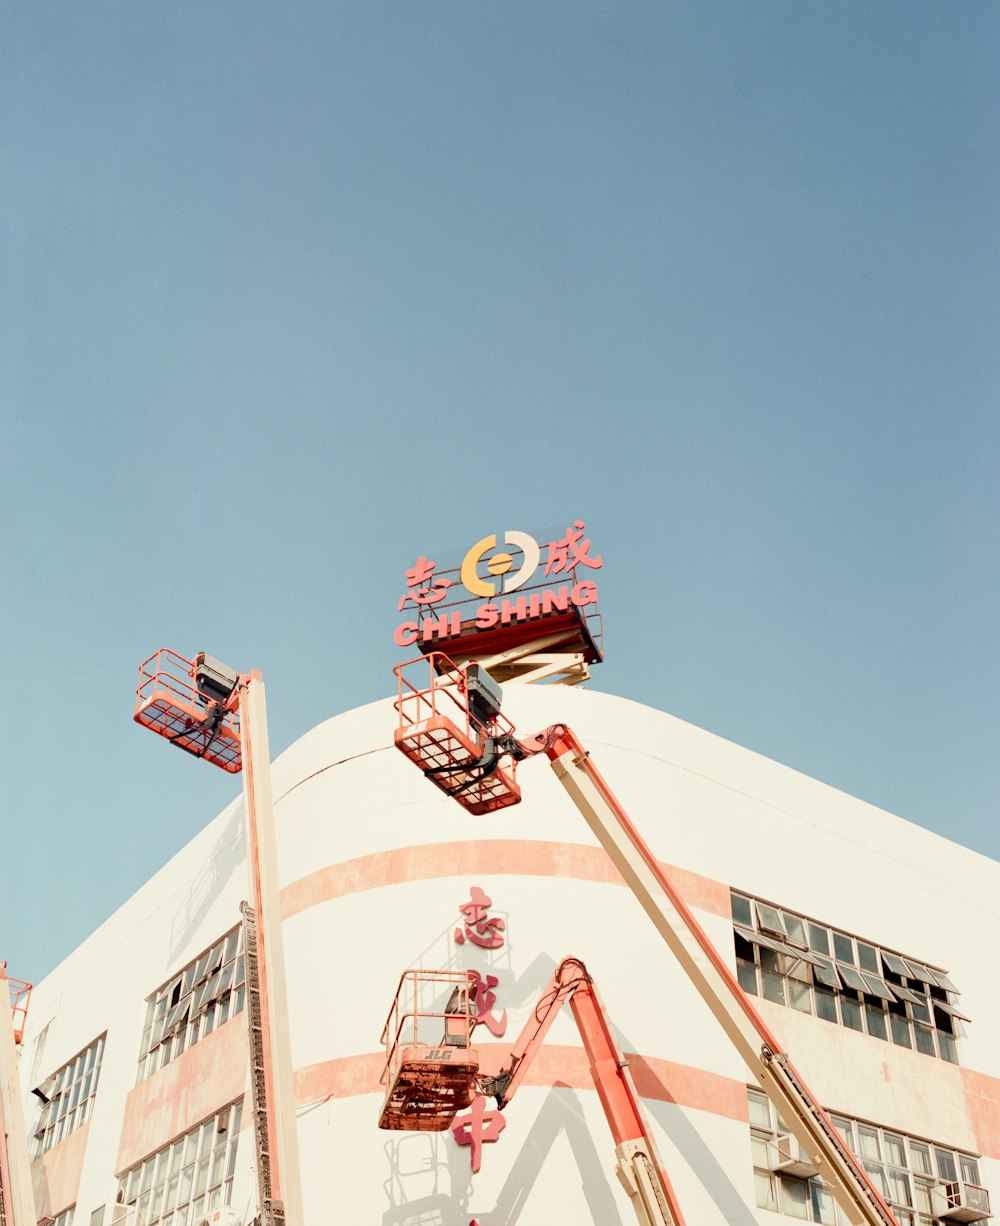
{"x": 517, "y": 857}
{"x": 554, "y": 1065}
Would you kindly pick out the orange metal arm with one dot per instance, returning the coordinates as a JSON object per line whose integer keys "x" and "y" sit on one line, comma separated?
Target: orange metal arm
{"x": 639, "y": 1167}
{"x": 690, "y": 944}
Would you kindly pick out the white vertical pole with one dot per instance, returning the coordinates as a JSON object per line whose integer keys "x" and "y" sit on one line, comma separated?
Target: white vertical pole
{"x": 15, "y": 1169}
{"x": 262, "y": 863}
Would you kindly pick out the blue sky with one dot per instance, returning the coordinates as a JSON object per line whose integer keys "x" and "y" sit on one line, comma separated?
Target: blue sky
{"x": 294, "y": 293}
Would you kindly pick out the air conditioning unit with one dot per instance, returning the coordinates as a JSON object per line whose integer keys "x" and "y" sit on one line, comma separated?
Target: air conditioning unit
{"x": 220, "y": 1217}
{"x": 958, "y": 1201}
{"x": 786, "y": 1158}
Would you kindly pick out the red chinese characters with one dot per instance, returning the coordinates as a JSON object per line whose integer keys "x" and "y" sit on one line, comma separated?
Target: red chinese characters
{"x": 476, "y": 1128}
{"x": 480, "y": 928}
{"x": 422, "y": 591}
{"x": 484, "y": 1001}
{"x": 572, "y": 551}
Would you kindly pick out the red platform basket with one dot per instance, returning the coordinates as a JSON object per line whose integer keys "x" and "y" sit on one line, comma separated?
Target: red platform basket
{"x": 20, "y": 995}
{"x": 436, "y": 732}
{"x": 430, "y": 1067}
{"x": 169, "y": 702}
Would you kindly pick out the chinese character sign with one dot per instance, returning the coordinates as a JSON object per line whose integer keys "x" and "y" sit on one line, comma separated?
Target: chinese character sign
{"x": 480, "y": 928}
{"x": 518, "y": 578}
{"x": 422, "y": 587}
{"x": 476, "y": 1127}
{"x": 572, "y": 551}
{"x": 483, "y": 1003}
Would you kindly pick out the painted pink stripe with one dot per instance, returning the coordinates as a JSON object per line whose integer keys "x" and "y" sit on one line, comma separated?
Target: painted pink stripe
{"x": 554, "y": 1065}
{"x": 519, "y": 857}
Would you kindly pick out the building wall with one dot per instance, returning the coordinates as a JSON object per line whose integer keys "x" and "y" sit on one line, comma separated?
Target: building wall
{"x": 374, "y": 864}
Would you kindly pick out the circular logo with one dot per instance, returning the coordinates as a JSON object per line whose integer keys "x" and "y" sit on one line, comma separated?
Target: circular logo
{"x": 500, "y": 564}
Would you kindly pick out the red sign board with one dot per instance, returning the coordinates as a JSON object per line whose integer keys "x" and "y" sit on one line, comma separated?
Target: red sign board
{"x": 505, "y": 582}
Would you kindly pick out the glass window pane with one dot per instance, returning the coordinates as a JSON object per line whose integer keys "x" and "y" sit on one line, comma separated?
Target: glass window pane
{"x": 920, "y": 1158}
{"x": 826, "y": 1004}
{"x": 948, "y": 1047}
{"x": 876, "y": 1174}
{"x": 824, "y": 1206}
{"x": 759, "y": 1109}
{"x": 819, "y": 939}
{"x": 878, "y": 987}
{"x": 201, "y": 1176}
{"x": 868, "y": 958}
{"x": 795, "y": 1198}
{"x": 746, "y": 975}
{"x": 795, "y": 929}
{"x": 766, "y": 1196}
{"x": 868, "y": 1141}
{"x": 895, "y": 1150}
{"x": 900, "y": 1029}
{"x": 218, "y": 1166}
{"x": 925, "y": 1039}
{"x": 899, "y": 1187}
{"x": 769, "y": 919}
{"x": 740, "y": 908}
{"x": 232, "y": 941}
{"x": 919, "y": 971}
{"x": 970, "y": 1169}
{"x": 773, "y": 987}
{"x": 853, "y": 978}
{"x": 895, "y": 964}
{"x": 800, "y": 996}
{"x": 826, "y": 973}
{"x": 851, "y": 1011}
{"x": 946, "y": 1167}
{"x": 843, "y": 947}
{"x": 875, "y": 1018}
{"x": 187, "y": 1181}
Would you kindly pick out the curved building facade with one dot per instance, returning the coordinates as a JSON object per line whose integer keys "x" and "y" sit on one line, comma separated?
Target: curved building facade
{"x": 865, "y": 940}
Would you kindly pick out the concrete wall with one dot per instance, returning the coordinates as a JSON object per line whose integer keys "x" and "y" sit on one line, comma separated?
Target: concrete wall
{"x": 374, "y": 864}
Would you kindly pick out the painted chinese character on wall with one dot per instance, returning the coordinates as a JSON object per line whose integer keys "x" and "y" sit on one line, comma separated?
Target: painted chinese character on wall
{"x": 480, "y": 928}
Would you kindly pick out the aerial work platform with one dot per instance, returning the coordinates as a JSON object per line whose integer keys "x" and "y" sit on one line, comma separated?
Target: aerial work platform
{"x": 431, "y": 1068}
{"x": 188, "y": 702}
{"x": 449, "y": 729}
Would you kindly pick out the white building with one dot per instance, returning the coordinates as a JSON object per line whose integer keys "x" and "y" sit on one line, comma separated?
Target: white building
{"x": 139, "y": 1041}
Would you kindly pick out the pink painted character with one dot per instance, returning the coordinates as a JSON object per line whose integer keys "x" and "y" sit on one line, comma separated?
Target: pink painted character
{"x": 421, "y": 590}
{"x": 484, "y": 1002}
{"x": 477, "y": 1127}
{"x": 572, "y": 551}
{"x": 481, "y": 929}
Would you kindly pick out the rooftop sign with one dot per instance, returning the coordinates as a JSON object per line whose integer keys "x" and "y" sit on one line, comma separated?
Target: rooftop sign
{"x": 504, "y": 581}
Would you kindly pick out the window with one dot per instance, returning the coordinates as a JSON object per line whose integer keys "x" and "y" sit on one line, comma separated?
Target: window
{"x": 191, "y": 1004}
{"x": 67, "y": 1097}
{"x": 186, "y": 1180}
{"x": 65, "y": 1218}
{"x": 802, "y": 964}
{"x": 910, "y": 1174}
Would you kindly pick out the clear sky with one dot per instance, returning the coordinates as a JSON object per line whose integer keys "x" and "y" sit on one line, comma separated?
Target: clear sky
{"x": 292, "y": 293}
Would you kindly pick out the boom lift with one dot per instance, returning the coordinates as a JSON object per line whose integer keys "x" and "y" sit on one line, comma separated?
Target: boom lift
{"x": 638, "y": 1168}
{"x": 429, "y": 1082}
{"x": 453, "y": 729}
{"x": 213, "y": 712}
{"x": 17, "y": 1201}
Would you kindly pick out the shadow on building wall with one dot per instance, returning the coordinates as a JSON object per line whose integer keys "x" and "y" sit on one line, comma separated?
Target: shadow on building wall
{"x": 223, "y": 860}
{"x": 431, "y": 1185}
